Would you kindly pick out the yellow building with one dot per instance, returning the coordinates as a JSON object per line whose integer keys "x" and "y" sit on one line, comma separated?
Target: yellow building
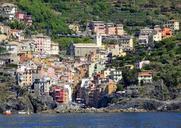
{"x": 3, "y": 37}
{"x": 111, "y": 87}
{"x": 74, "y": 27}
{"x": 116, "y": 50}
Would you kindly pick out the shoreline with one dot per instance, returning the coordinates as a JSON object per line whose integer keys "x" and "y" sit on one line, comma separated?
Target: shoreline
{"x": 93, "y": 110}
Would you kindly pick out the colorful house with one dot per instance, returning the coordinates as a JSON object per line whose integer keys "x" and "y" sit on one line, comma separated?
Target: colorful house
{"x": 43, "y": 43}
{"x": 111, "y": 87}
{"x": 145, "y": 77}
{"x": 166, "y": 33}
{"x": 60, "y": 94}
{"x": 27, "y": 19}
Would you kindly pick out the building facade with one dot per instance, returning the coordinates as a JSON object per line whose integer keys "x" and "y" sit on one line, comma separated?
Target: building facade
{"x": 8, "y": 10}
{"x": 43, "y": 44}
{"x": 145, "y": 77}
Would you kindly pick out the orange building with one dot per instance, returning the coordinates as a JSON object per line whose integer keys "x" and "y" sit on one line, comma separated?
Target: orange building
{"x": 111, "y": 87}
{"x": 98, "y": 27}
{"x": 25, "y": 57}
{"x": 166, "y": 32}
{"x": 110, "y": 29}
{"x": 114, "y": 29}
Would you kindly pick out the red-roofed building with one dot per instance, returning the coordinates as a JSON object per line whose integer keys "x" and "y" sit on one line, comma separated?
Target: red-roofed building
{"x": 145, "y": 77}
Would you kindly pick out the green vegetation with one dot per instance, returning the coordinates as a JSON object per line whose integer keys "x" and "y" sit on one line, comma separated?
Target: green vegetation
{"x": 11, "y": 65}
{"x": 5, "y": 93}
{"x": 119, "y": 87}
{"x": 16, "y": 25}
{"x": 165, "y": 60}
{"x": 44, "y": 16}
{"x": 55, "y": 14}
{"x": 2, "y": 50}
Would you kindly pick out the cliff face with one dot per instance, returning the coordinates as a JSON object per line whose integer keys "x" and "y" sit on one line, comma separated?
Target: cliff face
{"x": 40, "y": 104}
{"x": 13, "y": 104}
{"x": 27, "y": 103}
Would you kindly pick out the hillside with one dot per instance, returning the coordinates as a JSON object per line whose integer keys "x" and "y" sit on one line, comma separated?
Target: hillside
{"x": 164, "y": 62}
{"x": 55, "y": 14}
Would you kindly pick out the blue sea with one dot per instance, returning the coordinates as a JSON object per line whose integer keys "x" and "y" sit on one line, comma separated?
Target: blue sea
{"x": 93, "y": 120}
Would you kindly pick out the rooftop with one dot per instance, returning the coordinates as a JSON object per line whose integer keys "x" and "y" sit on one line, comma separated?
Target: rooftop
{"x": 145, "y": 74}
{"x": 8, "y": 4}
{"x": 89, "y": 45}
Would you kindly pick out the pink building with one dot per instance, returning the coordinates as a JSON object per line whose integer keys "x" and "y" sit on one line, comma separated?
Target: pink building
{"x": 43, "y": 44}
{"x": 20, "y": 16}
{"x": 27, "y": 19}
{"x": 48, "y": 72}
{"x": 98, "y": 27}
{"x": 107, "y": 29}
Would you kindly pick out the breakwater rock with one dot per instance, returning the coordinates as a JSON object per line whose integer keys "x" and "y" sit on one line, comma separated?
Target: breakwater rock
{"x": 147, "y": 104}
{"x": 95, "y": 110}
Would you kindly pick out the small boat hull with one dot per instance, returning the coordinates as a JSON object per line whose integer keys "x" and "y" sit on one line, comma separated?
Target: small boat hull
{"x": 8, "y": 112}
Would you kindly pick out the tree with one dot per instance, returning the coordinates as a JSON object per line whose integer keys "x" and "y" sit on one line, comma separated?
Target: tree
{"x": 119, "y": 87}
{"x": 16, "y": 24}
{"x": 130, "y": 77}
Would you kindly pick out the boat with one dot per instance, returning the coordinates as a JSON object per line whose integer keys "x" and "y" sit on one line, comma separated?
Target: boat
{"x": 7, "y": 112}
{"x": 24, "y": 113}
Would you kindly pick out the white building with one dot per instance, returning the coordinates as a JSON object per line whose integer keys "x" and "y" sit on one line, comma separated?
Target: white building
{"x": 145, "y": 77}
{"x": 54, "y": 49}
{"x": 24, "y": 73}
{"x": 125, "y": 42}
{"x": 142, "y": 63}
{"x": 146, "y": 31}
{"x": 42, "y": 86}
{"x": 146, "y": 36}
{"x": 27, "y": 46}
{"x": 173, "y": 24}
{"x": 12, "y": 47}
{"x": 68, "y": 87}
{"x": 8, "y": 10}
{"x": 96, "y": 67}
{"x": 114, "y": 74}
{"x": 2, "y": 62}
{"x": 157, "y": 33}
{"x": 81, "y": 50}
{"x": 157, "y": 36}
{"x": 143, "y": 40}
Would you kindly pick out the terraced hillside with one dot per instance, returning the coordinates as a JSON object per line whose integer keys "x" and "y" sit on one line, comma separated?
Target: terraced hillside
{"x": 55, "y": 14}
